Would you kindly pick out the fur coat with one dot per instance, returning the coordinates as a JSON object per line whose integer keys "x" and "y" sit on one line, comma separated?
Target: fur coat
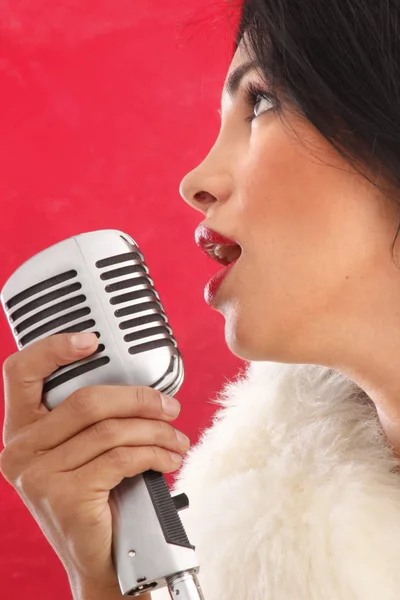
{"x": 294, "y": 491}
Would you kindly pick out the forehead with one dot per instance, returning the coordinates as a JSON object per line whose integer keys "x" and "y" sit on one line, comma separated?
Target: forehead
{"x": 242, "y": 63}
{"x": 241, "y": 56}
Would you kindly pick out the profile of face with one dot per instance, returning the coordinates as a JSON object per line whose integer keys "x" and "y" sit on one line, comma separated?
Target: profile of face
{"x": 315, "y": 235}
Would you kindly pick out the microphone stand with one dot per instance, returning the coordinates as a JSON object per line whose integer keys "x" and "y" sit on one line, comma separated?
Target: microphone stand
{"x": 185, "y": 586}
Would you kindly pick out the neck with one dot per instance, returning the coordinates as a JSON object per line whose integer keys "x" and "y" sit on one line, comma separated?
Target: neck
{"x": 371, "y": 359}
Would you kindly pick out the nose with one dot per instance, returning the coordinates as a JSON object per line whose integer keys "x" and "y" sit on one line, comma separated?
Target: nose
{"x": 206, "y": 185}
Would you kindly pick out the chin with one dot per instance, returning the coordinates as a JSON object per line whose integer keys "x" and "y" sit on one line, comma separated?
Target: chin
{"x": 244, "y": 340}
{"x": 249, "y": 342}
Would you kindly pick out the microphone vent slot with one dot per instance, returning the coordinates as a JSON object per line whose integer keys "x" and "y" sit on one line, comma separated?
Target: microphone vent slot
{"x": 133, "y": 296}
{"x": 151, "y": 346}
{"x": 127, "y": 283}
{"x": 149, "y": 328}
{"x": 119, "y": 258}
{"x": 144, "y": 333}
{"x": 82, "y": 326}
{"x": 35, "y": 314}
{"x": 48, "y": 312}
{"x": 46, "y": 299}
{"x": 138, "y": 322}
{"x": 40, "y": 287}
{"x": 123, "y": 271}
{"x": 41, "y": 311}
{"x": 54, "y": 324}
{"x": 137, "y": 308}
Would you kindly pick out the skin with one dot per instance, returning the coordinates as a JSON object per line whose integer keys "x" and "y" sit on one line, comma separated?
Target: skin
{"x": 316, "y": 282}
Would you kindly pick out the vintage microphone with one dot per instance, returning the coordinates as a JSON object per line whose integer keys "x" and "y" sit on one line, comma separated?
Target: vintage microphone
{"x": 99, "y": 282}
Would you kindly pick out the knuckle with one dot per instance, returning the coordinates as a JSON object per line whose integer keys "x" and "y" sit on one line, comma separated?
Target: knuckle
{"x": 108, "y": 428}
{"x": 154, "y": 455}
{"x": 147, "y": 397}
{"x": 148, "y": 457}
{"x": 140, "y": 396}
{"x": 121, "y": 457}
{"x": 165, "y": 431}
{"x": 13, "y": 365}
{"x": 85, "y": 401}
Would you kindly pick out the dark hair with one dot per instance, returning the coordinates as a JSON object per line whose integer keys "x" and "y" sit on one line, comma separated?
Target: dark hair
{"x": 338, "y": 63}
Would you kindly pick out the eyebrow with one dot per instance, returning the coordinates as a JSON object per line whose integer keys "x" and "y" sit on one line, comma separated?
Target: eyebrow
{"x": 235, "y": 78}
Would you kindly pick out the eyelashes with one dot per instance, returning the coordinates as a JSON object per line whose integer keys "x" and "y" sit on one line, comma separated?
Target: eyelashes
{"x": 253, "y": 96}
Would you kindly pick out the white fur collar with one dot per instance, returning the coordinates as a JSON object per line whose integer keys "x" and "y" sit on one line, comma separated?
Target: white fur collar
{"x": 294, "y": 492}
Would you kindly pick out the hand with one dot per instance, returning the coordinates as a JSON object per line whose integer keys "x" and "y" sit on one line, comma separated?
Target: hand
{"x": 64, "y": 463}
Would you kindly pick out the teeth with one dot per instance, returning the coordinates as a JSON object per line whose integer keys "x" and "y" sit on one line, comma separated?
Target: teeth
{"x": 227, "y": 252}
{"x": 219, "y": 251}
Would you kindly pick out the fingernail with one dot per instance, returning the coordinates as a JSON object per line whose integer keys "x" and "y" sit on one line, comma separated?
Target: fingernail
{"x": 170, "y": 405}
{"x": 177, "y": 458}
{"x": 183, "y": 439}
{"x": 83, "y": 340}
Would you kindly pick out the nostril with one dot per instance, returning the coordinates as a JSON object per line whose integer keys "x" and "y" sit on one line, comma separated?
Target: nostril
{"x": 204, "y": 197}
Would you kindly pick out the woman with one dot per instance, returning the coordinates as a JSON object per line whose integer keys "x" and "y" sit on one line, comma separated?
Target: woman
{"x": 295, "y": 489}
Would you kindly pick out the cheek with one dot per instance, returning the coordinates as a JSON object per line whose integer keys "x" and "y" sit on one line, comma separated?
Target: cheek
{"x": 289, "y": 194}
{"x": 310, "y": 222}
{"x": 286, "y": 213}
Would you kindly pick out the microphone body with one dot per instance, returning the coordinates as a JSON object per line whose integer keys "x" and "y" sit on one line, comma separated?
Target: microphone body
{"x": 99, "y": 282}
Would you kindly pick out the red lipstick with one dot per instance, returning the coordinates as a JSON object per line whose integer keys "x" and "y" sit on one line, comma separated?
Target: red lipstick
{"x": 223, "y": 250}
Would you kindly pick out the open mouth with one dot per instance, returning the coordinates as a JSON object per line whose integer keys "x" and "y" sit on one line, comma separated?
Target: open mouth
{"x": 224, "y": 254}
{"x": 218, "y": 247}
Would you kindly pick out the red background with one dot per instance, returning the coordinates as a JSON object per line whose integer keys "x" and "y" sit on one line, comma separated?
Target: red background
{"x": 104, "y": 106}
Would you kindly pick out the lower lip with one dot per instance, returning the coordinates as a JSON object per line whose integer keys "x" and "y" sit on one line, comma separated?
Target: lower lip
{"x": 214, "y": 284}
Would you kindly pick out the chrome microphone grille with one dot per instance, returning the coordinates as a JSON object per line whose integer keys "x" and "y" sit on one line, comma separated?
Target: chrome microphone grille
{"x": 33, "y": 315}
{"x": 96, "y": 282}
{"x": 149, "y": 328}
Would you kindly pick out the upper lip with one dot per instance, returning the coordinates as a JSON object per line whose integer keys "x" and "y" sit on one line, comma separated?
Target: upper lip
{"x": 208, "y": 239}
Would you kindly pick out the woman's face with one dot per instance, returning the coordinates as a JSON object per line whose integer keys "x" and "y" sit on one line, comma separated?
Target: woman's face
{"x": 315, "y": 235}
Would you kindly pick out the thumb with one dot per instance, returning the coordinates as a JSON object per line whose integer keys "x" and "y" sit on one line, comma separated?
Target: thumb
{"x": 25, "y": 371}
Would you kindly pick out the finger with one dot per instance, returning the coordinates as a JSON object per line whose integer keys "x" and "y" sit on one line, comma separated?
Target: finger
{"x": 105, "y": 472}
{"x": 112, "y": 433}
{"x": 25, "y": 371}
{"x": 92, "y": 404}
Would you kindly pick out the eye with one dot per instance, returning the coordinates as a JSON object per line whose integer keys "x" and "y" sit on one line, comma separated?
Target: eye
{"x": 258, "y": 99}
{"x": 262, "y": 105}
